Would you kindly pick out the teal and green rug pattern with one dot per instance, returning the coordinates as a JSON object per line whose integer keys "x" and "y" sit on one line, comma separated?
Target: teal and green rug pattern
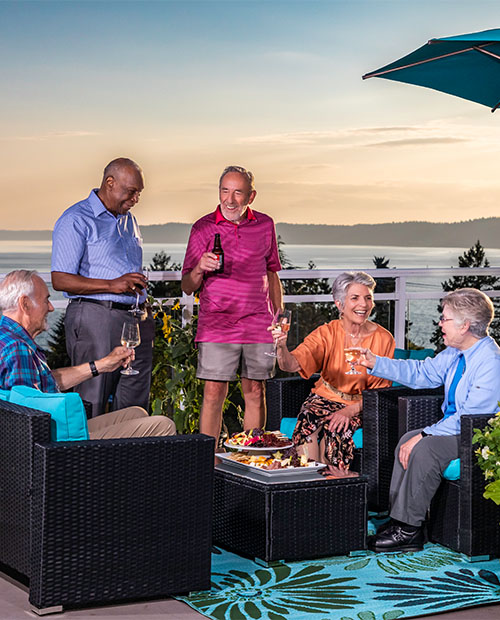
{"x": 369, "y": 587}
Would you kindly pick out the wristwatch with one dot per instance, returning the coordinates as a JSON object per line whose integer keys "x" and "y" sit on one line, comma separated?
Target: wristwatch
{"x": 424, "y": 434}
{"x": 93, "y": 369}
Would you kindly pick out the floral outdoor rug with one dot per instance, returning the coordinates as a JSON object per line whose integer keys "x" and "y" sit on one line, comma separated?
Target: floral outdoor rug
{"x": 370, "y": 587}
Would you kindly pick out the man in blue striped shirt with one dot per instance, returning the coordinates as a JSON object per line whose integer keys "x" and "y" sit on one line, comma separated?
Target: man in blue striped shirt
{"x": 97, "y": 262}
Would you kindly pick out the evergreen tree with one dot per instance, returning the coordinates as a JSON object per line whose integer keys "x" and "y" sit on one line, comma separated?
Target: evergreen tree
{"x": 474, "y": 257}
{"x": 161, "y": 262}
{"x": 57, "y": 357}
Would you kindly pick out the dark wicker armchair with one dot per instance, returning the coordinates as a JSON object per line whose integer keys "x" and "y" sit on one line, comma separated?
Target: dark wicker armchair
{"x": 102, "y": 521}
{"x": 460, "y": 517}
{"x": 380, "y": 428}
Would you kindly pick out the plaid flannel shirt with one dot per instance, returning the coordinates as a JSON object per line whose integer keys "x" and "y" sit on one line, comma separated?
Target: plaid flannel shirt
{"x": 22, "y": 361}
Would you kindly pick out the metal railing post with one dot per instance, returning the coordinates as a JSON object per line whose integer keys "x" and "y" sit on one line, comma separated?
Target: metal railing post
{"x": 400, "y": 312}
{"x": 187, "y": 308}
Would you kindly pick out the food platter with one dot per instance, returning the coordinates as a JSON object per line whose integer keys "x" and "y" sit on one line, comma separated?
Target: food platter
{"x": 261, "y": 450}
{"x": 270, "y": 473}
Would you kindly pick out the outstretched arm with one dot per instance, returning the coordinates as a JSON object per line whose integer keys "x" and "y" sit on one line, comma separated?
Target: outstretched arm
{"x": 67, "y": 378}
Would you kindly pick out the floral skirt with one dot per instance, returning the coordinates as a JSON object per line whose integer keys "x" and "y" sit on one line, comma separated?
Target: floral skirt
{"x": 313, "y": 415}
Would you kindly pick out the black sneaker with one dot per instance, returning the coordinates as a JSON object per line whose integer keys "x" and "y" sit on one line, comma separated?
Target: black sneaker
{"x": 397, "y": 538}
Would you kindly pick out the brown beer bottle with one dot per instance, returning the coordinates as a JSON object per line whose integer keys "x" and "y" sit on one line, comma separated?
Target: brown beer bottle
{"x": 217, "y": 249}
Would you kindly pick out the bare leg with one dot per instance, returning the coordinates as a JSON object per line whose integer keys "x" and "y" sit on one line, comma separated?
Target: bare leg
{"x": 311, "y": 448}
{"x": 255, "y": 403}
{"x": 340, "y": 472}
{"x": 214, "y": 394}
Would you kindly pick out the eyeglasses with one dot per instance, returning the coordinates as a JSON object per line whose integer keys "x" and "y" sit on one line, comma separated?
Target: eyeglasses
{"x": 443, "y": 319}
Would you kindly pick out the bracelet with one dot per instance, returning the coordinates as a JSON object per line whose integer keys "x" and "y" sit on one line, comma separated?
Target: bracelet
{"x": 93, "y": 369}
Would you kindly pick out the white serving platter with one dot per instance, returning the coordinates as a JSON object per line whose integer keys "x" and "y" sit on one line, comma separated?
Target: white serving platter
{"x": 270, "y": 473}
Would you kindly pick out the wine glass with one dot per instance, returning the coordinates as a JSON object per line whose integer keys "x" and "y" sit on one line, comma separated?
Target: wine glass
{"x": 281, "y": 321}
{"x": 131, "y": 338}
{"x": 135, "y": 310}
{"x": 351, "y": 354}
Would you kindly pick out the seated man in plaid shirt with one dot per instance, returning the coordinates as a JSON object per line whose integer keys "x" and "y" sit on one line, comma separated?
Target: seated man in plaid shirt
{"x": 25, "y": 304}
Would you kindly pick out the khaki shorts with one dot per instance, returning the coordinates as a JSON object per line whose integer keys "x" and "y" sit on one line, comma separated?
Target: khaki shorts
{"x": 219, "y": 361}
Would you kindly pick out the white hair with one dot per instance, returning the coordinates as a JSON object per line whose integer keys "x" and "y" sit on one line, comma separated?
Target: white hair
{"x": 15, "y": 285}
{"x": 344, "y": 281}
{"x": 469, "y": 304}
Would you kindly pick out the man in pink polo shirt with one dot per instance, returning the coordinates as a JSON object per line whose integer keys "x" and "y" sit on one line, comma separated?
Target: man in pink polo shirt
{"x": 238, "y": 305}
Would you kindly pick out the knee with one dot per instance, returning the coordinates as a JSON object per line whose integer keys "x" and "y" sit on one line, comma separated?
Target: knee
{"x": 159, "y": 425}
{"x": 167, "y": 425}
{"x": 253, "y": 389}
{"x": 215, "y": 391}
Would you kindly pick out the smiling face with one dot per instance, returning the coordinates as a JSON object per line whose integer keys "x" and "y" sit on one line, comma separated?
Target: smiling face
{"x": 38, "y": 307}
{"x": 235, "y": 194}
{"x": 453, "y": 328}
{"x": 122, "y": 190}
{"x": 357, "y": 306}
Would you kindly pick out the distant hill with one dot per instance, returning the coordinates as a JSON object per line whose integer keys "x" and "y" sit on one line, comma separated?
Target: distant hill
{"x": 416, "y": 234}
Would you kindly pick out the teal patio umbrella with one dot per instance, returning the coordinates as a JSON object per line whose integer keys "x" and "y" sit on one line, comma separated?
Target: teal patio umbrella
{"x": 467, "y": 66}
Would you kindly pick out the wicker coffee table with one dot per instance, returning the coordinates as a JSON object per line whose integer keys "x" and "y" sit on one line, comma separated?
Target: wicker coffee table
{"x": 288, "y": 519}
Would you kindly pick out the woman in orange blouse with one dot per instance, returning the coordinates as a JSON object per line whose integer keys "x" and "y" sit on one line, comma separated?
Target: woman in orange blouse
{"x": 332, "y": 412}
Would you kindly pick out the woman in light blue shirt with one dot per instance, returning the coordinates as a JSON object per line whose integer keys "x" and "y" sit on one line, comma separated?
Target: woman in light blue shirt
{"x": 469, "y": 369}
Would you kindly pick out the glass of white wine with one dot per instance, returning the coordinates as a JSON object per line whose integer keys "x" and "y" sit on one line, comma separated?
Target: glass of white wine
{"x": 131, "y": 338}
{"x": 351, "y": 353}
{"x": 281, "y": 321}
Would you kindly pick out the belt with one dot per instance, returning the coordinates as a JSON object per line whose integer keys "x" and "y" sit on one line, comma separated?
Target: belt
{"x": 342, "y": 395}
{"x": 114, "y": 305}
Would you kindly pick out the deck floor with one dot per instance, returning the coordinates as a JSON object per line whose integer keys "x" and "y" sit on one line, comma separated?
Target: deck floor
{"x": 14, "y": 605}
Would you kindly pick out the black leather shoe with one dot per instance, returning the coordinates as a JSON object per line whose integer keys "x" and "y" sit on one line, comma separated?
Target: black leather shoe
{"x": 397, "y": 538}
{"x": 384, "y": 526}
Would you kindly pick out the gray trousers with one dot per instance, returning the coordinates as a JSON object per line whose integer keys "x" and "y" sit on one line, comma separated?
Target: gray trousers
{"x": 412, "y": 489}
{"x": 92, "y": 331}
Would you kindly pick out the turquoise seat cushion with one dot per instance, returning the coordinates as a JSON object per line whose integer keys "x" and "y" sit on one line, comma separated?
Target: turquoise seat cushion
{"x": 358, "y": 438}
{"x": 69, "y": 421}
{"x": 411, "y": 354}
{"x": 452, "y": 472}
{"x": 401, "y": 354}
{"x": 288, "y": 424}
{"x": 5, "y": 395}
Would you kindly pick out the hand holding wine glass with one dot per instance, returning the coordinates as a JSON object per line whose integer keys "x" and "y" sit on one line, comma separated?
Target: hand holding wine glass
{"x": 281, "y": 322}
{"x": 131, "y": 338}
{"x": 352, "y": 354}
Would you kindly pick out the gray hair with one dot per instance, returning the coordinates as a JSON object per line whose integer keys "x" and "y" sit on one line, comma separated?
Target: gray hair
{"x": 118, "y": 164}
{"x": 246, "y": 173}
{"x": 469, "y": 304}
{"x": 15, "y": 285}
{"x": 344, "y": 281}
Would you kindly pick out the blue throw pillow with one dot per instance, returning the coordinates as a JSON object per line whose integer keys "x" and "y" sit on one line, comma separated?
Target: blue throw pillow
{"x": 452, "y": 472}
{"x": 69, "y": 421}
{"x": 5, "y": 395}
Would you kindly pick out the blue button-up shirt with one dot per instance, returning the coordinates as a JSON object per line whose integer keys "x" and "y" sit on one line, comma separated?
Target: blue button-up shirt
{"x": 478, "y": 391}
{"x": 22, "y": 362}
{"x": 89, "y": 241}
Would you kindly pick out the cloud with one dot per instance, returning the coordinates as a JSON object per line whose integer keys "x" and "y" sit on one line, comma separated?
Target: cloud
{"x": 416, "y": 142}
{"x": 51, "y": 136}
{"x": 435, "y": 133}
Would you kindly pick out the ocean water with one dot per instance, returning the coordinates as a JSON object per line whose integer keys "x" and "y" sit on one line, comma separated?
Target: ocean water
{"x": 36, "y": 255}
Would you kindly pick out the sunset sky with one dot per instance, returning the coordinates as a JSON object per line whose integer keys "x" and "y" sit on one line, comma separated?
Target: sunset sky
{"x": 188, "y": 87}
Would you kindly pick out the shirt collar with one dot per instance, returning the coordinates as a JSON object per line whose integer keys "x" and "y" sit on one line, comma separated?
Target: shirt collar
{"x": 18, "y": 330}
{"x": 467, "y": 353}
{"x": 220, "y": 218}
{"x": 98, "y": 206}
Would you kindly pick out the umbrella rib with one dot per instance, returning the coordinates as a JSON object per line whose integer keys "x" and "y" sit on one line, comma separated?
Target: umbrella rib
{"x": 422, "y": 62}
{"x": 479, "y": 49}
